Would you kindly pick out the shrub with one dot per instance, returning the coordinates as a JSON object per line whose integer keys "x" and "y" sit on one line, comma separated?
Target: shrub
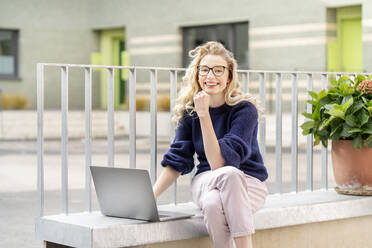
{"x": 163, "y": 102}
{"x": 14, "y": 101}
{"x": 343, "y": 112}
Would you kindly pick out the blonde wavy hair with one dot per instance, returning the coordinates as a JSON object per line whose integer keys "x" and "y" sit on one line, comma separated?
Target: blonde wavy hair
{"x": 233, "y": 94}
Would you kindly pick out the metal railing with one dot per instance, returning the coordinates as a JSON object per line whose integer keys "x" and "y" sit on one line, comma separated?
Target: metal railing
{"x": 246, "y": 78}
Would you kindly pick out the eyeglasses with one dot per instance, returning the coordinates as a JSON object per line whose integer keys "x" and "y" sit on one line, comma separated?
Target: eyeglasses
{"x": 217, "y": 70}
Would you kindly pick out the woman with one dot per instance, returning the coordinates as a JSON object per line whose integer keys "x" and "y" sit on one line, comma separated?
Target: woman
{"x": 219, "y": 123}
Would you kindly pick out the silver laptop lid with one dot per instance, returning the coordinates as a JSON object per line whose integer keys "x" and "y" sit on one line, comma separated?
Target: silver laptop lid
{"x": 125, "y": 193}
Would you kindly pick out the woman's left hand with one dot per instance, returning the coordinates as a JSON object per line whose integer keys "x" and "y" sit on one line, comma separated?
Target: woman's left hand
{"x": 201, "y": 102}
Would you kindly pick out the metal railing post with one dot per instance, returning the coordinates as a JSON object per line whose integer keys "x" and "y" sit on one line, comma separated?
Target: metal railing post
{"x": 110, "y": 117}
{"x": 88, "y": 137}
{"x": 40, "y": 139}
{"x": 132, "y": 118}
{"x": 64, "y": 145}
{"x": 309, "y": 150}
{"x": 278, "y": 147}
{"x": 262, "y": 122}
{"x": 153, "y": 131}
{"x": 294, "y": 147}
{"x": 1, "y": 113}
{"x": 324, "y": 152}
{"x": 173, "y": 95}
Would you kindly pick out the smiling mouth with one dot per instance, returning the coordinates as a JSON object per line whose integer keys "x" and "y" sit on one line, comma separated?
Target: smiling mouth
{"x": 210, "y": 85}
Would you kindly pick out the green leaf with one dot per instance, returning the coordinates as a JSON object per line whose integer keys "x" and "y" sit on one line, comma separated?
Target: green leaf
{"x": 334, "y": 83}
{"x": 306, "y": 132}
{"x": 336, "y": 133}
{"x": 359, "y": 78}
{"x": 369, "y": 77}
{"x": 322, "y": 94}
{"x": 312, "y": 102}
{"x": 355, "y": 130}
{"x": 345, "y": 131}
{"x": 325, "y": 100}
{"x": 325, "y": 142}
{"x": 316, "y": 113}
{"x": 316, "y": 140}
{"x": 345, "y": 99}
{"x": 338, "y": 107}
{"x": 357, "y": 142}
{"x": 307, "y": 115}
{"x": 313, "y": 95}
{"x": 327, "y": 122}
{"x": 368, "y": 142}
{"x": 356, "y": 107}
{"x": 365, "y": 100}
{"x": 369, "y": 111}
{"x": 363, "y": 117}
{"x": 337, "y": 113}
{"x": 329, "y": 106}
{"x": 344, "y": 78}
{"x": 351, "y": 120}
{"x": 307, "y": 125}
{"x": 367, "y": 128}
{"x": 347, "y": 104}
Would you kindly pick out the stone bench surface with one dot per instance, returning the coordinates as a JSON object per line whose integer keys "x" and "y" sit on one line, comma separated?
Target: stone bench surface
{"x": 96, "y": 230}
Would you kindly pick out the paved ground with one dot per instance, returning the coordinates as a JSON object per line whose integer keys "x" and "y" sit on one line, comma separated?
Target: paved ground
{"x": 18, "y": 170}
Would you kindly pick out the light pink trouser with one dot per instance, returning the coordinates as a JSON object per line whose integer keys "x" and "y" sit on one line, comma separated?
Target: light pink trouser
{"x": 228, "y": 198}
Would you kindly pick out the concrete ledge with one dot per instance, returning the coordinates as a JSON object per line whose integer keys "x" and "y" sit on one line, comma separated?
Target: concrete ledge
{"x": 96, "y": 230}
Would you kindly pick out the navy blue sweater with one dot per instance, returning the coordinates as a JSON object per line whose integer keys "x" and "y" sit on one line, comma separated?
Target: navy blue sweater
{"x": 236, "y": 131}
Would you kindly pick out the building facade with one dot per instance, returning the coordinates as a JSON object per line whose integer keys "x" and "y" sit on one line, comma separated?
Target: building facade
{"x": 319, "y": 35}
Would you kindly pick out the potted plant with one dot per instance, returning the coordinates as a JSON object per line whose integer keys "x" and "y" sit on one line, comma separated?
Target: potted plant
{"x": 343, "y": 114}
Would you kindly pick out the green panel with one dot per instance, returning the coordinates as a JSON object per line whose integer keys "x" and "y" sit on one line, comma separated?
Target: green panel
{"x": 125, "y": 61}
{"x": 124, "y": 74}
{"x": 96, "y": 59}
{"x": 351, "y": 45}
{"x": 332, "y": 57}
{"x": 349, "y": 40}
{"x": 110, "y": 52}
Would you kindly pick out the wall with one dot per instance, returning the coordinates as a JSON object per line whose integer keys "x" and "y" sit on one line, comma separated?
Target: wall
{"x": 283, "y": 35}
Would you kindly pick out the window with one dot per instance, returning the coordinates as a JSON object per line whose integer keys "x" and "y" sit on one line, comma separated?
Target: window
{"x": 234, "y": 36}
{"x": 8, "y": 54}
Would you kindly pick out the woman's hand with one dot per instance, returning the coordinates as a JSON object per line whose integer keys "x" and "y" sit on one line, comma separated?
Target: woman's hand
{"x": 201, "y": 102}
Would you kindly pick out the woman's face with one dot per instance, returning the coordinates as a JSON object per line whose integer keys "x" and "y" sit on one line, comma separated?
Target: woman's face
{"x": 213, "y": 81}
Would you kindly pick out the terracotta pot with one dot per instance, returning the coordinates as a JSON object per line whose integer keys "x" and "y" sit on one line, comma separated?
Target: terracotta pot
{"x": 352, "y": 168}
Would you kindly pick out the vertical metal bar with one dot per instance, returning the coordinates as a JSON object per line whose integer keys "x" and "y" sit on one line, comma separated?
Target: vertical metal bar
{"x": 64, "y": 151}
{"x": 88, "y": 137}
{"x": 352, "y": 77}
{"x": 309, "y": 150}
{"x": 324, "y": 152}
{"x": 248, "y": 82}
{"x": 110, "y": 116}
{"x": 132, "y": 118}
{"x": 173, "y": 96}
{"x": 262, "y": 124}
{"x": 278, "y": 147}
{"x": 40, "y": 139}
{"x": 1, "y": 114}
{"x": 294, "y": 151}
{"x": 245, "y": 78}
{"x": 153, "y": 131}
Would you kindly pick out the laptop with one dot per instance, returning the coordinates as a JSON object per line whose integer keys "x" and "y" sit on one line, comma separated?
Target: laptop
{"x": 128, "y": 193}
